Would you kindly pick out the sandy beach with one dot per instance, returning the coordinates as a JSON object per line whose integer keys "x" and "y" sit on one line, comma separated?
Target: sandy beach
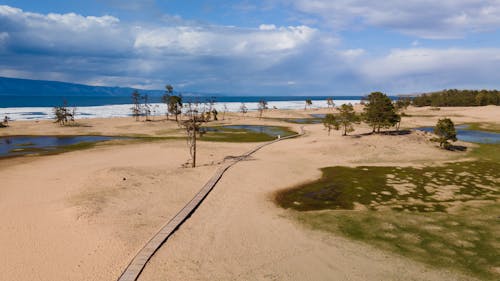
{"x": 83, "y": 215}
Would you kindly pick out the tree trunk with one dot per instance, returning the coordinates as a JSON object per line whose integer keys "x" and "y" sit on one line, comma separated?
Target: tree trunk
{"x": 194, "y": 150}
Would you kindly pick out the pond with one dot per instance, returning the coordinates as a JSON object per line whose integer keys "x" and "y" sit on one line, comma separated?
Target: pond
{"x": 464, "y": 134}
{"x": 23, "y": 145}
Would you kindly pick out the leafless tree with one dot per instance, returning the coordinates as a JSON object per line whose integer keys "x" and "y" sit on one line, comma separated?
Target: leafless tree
{"x": 330, "y": 103}
{"x": 193, "y": 126}
{"x": 224, "y": 112}
{"x": 261, "y": 107}
{"x": 63, "y": 114}
{"x": 136, "y": 105}
{"x": 243, "y": 109}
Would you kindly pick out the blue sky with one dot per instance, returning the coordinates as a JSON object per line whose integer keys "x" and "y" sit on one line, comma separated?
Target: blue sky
{"x": 294, "y": 47}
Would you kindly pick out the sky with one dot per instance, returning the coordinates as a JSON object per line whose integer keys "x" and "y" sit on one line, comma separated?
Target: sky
{"x": 273, "y": 47}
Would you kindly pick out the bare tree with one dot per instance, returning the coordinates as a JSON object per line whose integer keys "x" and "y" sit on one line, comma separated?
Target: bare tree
{"x": 224, "y": 112}
{"x": 193, "y": 127}
{"x": 146, "y": 106}
{"x": 243, "y": 109}
{"x": 330, "y": 103}
{"x": 308, "y": 104}
{"x": 136, "y": 105}
{"x": 261, "y": 107}
{"x": 63, "y": 114}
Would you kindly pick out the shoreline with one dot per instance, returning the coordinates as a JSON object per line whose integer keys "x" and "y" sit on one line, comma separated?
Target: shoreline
{"x": 157, "y": 109}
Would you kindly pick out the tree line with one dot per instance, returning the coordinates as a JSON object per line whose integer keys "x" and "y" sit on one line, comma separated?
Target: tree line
{"x": 379, "y": 112}
{"x": 454, "y": 97}
{"x": 175, "y": 104}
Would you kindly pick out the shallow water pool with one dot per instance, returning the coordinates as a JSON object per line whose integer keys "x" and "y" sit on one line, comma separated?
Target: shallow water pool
{"x": 23, "y": 145}
{"x": 467, "y": 135}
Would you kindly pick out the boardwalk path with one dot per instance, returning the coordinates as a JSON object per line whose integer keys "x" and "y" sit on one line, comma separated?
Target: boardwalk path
{"x": 135, "y": 267}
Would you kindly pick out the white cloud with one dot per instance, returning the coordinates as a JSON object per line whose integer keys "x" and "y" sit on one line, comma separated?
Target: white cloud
{"x": 223, "y": 41}
{"x": 62, "y": 33}
{"x": 267, "y": 27}
{"x": 422, "y": 68}
{"x": 101, "y": 49}
{"x": 423, "y": 18}
{"x": 352, "y": 53}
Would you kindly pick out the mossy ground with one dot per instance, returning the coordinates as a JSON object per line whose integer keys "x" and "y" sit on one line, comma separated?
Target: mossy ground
{"x": 444, "y": 215}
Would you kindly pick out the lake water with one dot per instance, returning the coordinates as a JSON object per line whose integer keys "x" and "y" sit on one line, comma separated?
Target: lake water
{"x": 464, "y": 134}
{"x": 23, "y": 145}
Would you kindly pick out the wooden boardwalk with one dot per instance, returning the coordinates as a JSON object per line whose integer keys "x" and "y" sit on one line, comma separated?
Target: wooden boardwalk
{"x": 135, "y": 267}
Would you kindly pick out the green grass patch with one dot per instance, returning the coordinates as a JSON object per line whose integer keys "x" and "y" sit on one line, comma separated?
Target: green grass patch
{"x": 305, "y": 120}
{"x": 487, "y": 127}
{"x": 444, "y": 215}
{"x": 466, "y": 240}
{"x": 225, "y": 134}
{"x": 487, "y": 152}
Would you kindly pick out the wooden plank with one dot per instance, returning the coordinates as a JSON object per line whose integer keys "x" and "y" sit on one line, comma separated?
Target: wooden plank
{"x": 136, "y": 266}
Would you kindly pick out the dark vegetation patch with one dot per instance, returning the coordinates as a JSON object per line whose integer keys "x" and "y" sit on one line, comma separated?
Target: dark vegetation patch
{"x": 427, "y": 189}
{"x": 454, "y": 97}
{"x": 446, "y": 216}
{"x": 465, "y": 240}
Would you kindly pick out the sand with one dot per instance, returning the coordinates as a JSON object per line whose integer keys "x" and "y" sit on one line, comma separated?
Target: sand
{"x": 73, "y": 216}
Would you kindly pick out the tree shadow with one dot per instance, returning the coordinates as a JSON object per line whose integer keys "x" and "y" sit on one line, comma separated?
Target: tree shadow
{"x": 396, "y": 133}
{"x": 385, "y": 133}
{"x": 456, "y": 148}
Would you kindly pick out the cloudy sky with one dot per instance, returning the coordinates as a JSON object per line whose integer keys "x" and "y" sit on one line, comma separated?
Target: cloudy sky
{"x": 294, "y": 47}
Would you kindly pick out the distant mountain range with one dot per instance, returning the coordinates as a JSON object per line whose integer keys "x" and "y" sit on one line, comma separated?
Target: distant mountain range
{"x": 27, "y": 87}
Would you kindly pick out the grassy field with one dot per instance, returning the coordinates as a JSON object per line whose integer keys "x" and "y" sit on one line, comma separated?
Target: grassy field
{"x": 445, "y": 215}
{"x": 224, "y": 134}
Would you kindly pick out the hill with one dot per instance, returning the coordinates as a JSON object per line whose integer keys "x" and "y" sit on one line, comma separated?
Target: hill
{"x": 27, "y": 87}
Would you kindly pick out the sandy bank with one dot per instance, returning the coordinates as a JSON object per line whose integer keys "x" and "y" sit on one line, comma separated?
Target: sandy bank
{"x": 74, "y": 217}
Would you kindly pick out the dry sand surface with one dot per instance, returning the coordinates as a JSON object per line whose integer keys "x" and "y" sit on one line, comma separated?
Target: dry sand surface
{"x": 73, "y": 216}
